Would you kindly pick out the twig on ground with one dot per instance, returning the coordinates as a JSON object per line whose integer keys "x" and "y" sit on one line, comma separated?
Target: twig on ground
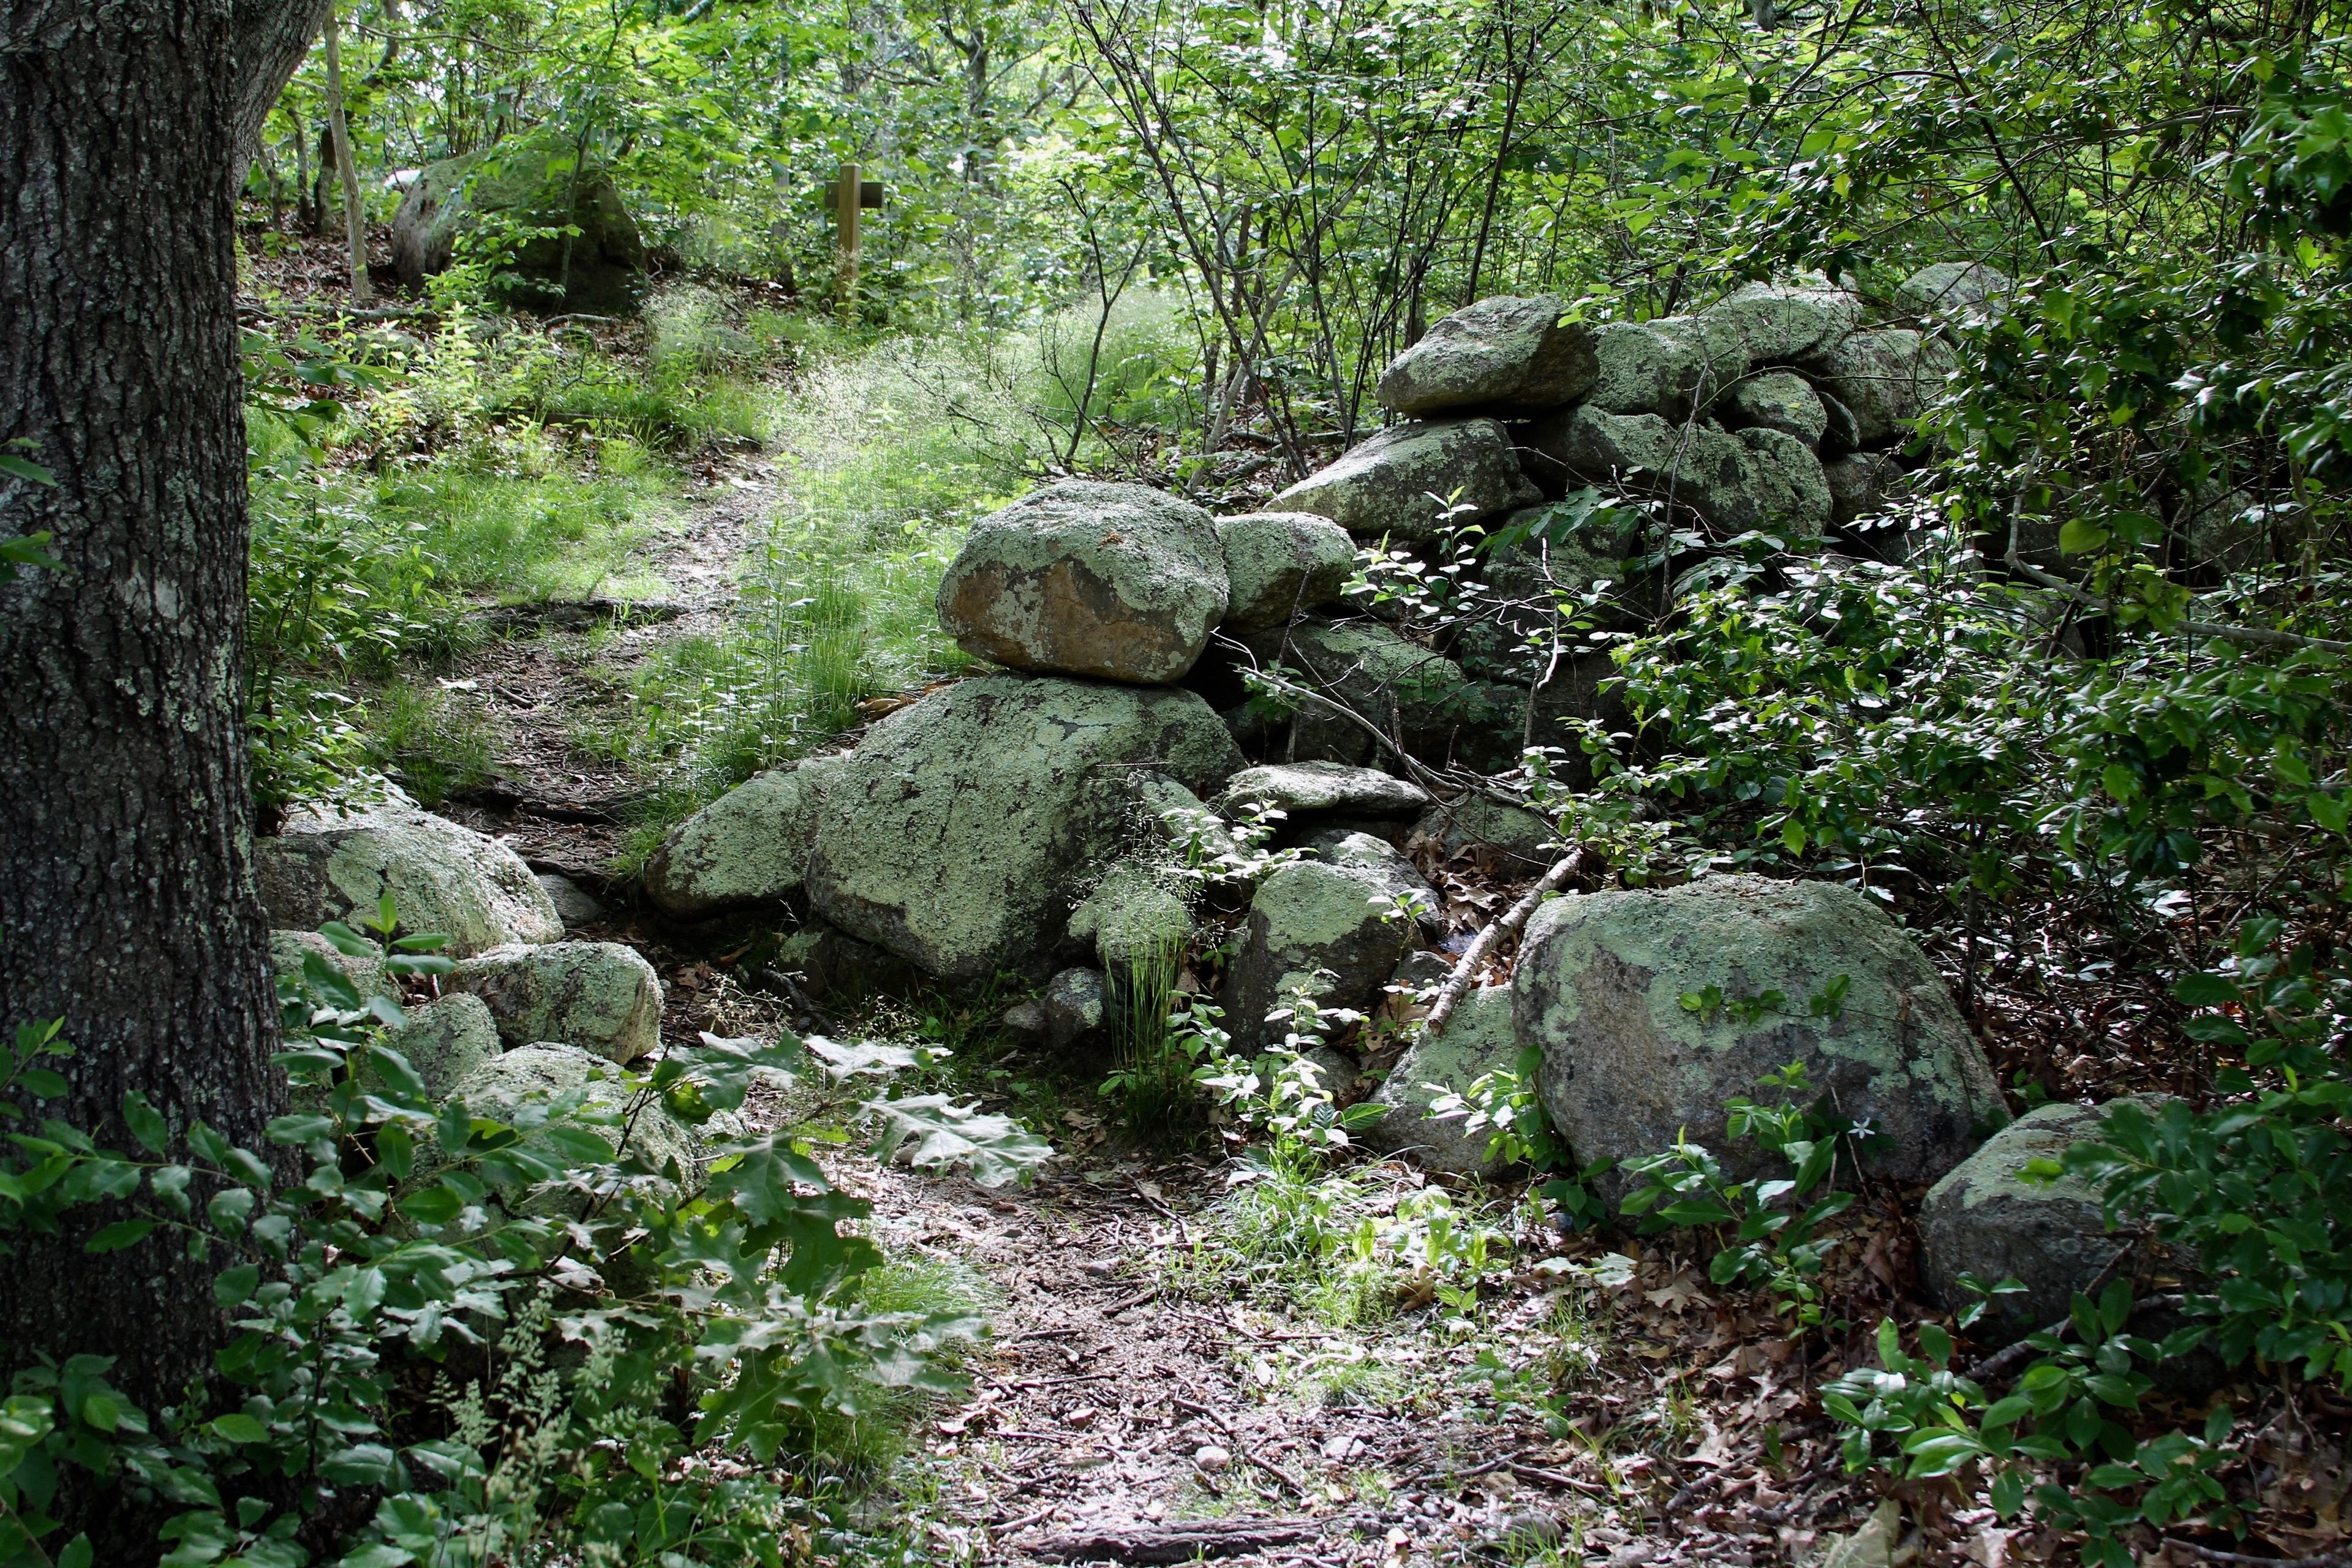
{"x": 1517, "y": 916}
{"x": 1180, "y": 1543}
{"x": 1553, "y": 1477}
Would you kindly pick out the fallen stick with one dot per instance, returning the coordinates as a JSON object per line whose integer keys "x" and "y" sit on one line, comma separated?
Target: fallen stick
{"x": 1457, "y": 983}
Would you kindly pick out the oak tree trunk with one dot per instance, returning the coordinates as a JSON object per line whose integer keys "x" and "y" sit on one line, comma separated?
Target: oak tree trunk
{"x": 127, "y": 904}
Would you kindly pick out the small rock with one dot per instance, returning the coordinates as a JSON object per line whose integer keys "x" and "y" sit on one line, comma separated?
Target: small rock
{"x": 1300, "y": 788}
{"x": 1500, "y": 355}
{"x": 1280, "y": 564}
{"x": 1860, "y": 486}
{"x": 288, "y": 949}
{"x": 1667, "y": 366}
{"x": 1212, "y": 1457}
{"x": 1776, "y": 400}
{"x": 446, "y": 1039}
{"x": 1887, "y": 378}
{"x": 748, "y": 847}
{"x": 601, "y": 995}
{"x": 1949, "y": 289}
{"x": 1477, "y": 1039}
{"x": 573, "y": 903}
{"x": 1113, "y": 581}
{"x": 1026, "y": 1018}
{"x": 1077, "y": 1009}
{"x": 1309, "y": 919}
{"x": 540, "y": 1072}
{"x": 1531, "y": 1528}
{"x": 1134, "y": 920}
{"x": 1383, "y": 487}
{"x": 1757, "y": 479}
{"x": 1987, "y": 1218}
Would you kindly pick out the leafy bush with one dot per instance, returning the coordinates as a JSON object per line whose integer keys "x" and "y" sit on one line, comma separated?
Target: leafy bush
{"x": 642, "y": 1307}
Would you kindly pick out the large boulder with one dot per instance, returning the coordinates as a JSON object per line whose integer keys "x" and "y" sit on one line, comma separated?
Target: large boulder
{"x": 1478, "y": 1041}
{"x": 1862, "y": 485}
{"x": 1134, "y": 920}
{"x": 1118, "y": 582}
{"x": 1628, "y": 1067}
{"x": 601, "y": 995}
{"x": 1397, "y": 484}
{"x": 444, "y": 879}
{"x": 1754, "y": 479}
{"x": 1330, "y": 927}
{"x": 1776, "y": 400}
{"x": 1949, "y": 289}
{"x": 1886, "y": 378}
{"x": 1667, "y": 366}
{"x": 959, "y": 828}
{"x": 445, "y": 1040}
{"x": 749, "y": 846}
{"x": 1307, "y": 788}
{"x": 1502, "y": 355}
{"x": 533, "y": 182}
{"x": 1278, "y": 563}
{"x": 1776, "y": 322}
{"x": 1986, "y": 1218}
{"x": 1376, "y": 673}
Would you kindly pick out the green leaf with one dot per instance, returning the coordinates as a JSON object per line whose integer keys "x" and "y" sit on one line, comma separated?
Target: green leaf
{"x": 1792, "y": 836}
{"x": 122, "y": 1233}
{"x": 240, "y": 1429}
{"x": 2206, "y": 990}
{"x": 2078, "y": 537}
{"x": 19, "y": 468}
{"x": 935, "y": 1133}
{"x": 146, "y": 1122}
{"x": 233, "y": 1287}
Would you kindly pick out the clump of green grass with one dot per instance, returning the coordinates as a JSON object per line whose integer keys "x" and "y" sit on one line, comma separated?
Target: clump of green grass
{"x": 859, "y": 1449}
{"x": 432, "y": 741}
{"x": 525, "y": 523}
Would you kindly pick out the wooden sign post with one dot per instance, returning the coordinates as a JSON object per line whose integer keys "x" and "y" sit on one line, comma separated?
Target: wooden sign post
{"x": 846, "y": 196}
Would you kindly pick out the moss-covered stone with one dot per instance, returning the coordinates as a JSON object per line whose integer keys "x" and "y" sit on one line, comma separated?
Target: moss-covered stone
{"x": 1077, "y": 1010}
{"x": 1501, "y": 355}
{"x": 1628, "y": 1069}
{"x": 1478, "y": 1041}
{"x": 529, "y": 1080}
{"x": 444, "y": 879}
{"x": 1280, "y": 564}
{"x": 1367, "y": 667}
{"x": 533, "y": 181}
{"x": 1885, "y": 378}
{"x": 288, "y": 949}
{"x": 1305, "y": 789}
{"x": 1118, "y": 582}
{"x": 1384, "y": 486}
{"x": 1777, "y": 322}
{"x": 446, "y": 1039}
{"x": 1520, "y": 840}
{"x": 962, "y": 825}
{"x": 601, "y": 995}
{"x": 1756, "y": 477}
{"x": 1944, "y": 290}
{"x": 1776, "y": 400}
{"x": 1308, "y": 918}
{"x": 1986, "y": 1218}
{"x": 1132, "y": 917}
{"x": 748, "y": 847}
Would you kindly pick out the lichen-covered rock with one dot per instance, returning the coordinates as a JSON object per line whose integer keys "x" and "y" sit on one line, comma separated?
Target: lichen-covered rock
{"x": 1986, "y": 1218}
{"x": 444, "y": 879}
{"x": 1501, "y": 355}
{"x": 1076, "y": 1007}
{"x": 1133, "y": 919}
{"x": 446, "y": 1039}
{"x": 1331, "y": 926}
{"x": 1667, "y": 366}
{"x": 749, "y": 846}
{"x": 1628, "y": 1069}
{"x": 600, "y": 995}
{"x": 574, "y": 904}
{"x": 1280, "y": 564}
{"x": 1520, "y": 838}
{"x": 1776, "y": 400}
{"x": 1886, "y": 378}
{"x": 1947, "y": 288}
{"x": 586, "y": 254}
{"x": 1755, "y": 478}
{"x": 529, "y": 1079}
{"x": 1399, "y": 880}
{"x": 288, "y": 949}
{"x": 958, "y": 830}
{"x": 1369, "y": 667}
{"x": 1395, "y": 484}
{"x": 1862, "y": 484}
{"x": 1304, "y": 788}
{"x": 832, "y": 964}
{"x": 1774, "y": 321}
{"x": 1478, "y": 1041}
{"x": 1118, "y": 582}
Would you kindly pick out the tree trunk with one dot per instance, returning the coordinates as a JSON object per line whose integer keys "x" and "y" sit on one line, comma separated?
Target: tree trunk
{"x": 354, "y": 215}
{"x": 127, "y": 904}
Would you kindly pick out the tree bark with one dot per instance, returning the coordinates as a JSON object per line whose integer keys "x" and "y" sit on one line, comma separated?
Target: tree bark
{"x": 127, "y": 904}
{"x": 354, "y": 215}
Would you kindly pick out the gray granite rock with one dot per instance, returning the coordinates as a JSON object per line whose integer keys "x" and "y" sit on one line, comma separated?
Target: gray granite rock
{"x": 1279, "y": 564}
{"x": 600, "y": 995}
{"x": 1500, "y": 355}
{"x": 1478, "y": 1041}
{"x": 1395, "y": 484}
{"x": 444, "y": 879}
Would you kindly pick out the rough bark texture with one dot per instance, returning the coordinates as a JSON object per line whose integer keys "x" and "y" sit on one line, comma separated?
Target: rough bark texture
{"x": 127, "y": 905}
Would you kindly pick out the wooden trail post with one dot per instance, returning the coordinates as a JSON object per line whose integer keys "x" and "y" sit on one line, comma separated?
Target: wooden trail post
{"x": 846, "y": 196}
